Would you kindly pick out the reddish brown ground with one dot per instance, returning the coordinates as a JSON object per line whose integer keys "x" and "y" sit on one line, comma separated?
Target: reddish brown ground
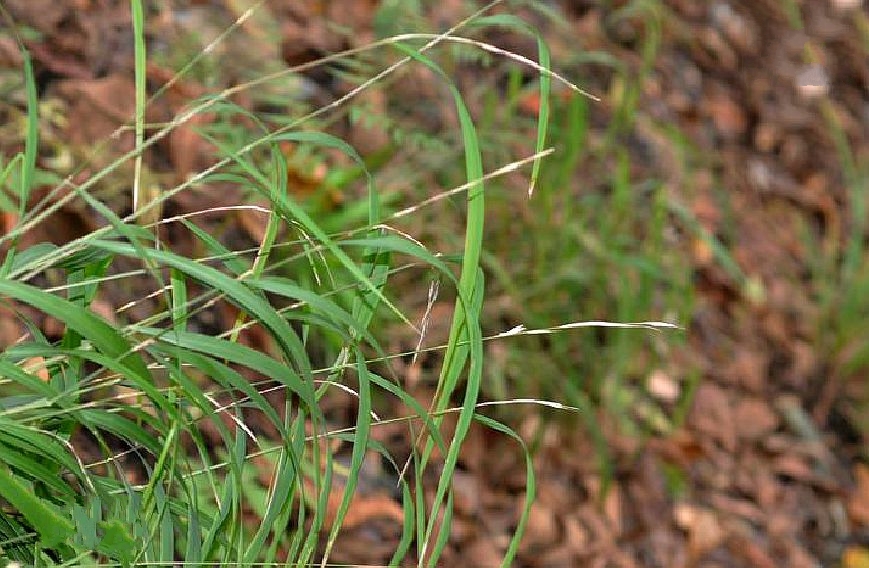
{"x": 768, "y": 459}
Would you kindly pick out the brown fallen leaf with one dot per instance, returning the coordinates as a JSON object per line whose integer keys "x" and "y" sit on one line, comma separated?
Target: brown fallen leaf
{"x": 483, "y": 553}
{"x": 751, "y": 552}
{"x": 541, "y": 532}
{"x": 754, "y": 418}
{"x": 189, "y": 151}
{"x": 713, "y": 416}
{"x": 362, "y": 507}
{"x": 703, "y": 528}
{"x": 98, "y": 108}
{"x": 858, "y": 500}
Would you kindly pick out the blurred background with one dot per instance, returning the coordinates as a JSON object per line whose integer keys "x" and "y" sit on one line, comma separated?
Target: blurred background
{"x": 719, "y": 183}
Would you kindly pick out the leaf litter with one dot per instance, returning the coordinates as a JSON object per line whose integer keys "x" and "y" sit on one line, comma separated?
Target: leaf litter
{"x": 766, "y": 469}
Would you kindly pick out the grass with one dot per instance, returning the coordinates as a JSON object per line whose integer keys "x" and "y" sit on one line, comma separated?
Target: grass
{"x": 839, "y": 263}
{"x": 166, "y": 409}
{"x": 603, "y": 251}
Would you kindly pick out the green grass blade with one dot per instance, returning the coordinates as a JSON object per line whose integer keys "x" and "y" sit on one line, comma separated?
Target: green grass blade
{"x": 241, "y": 355}
{"x": 544, "y": 59}
{"x": 39, "y": 456}
{"x": 236, "y": 291}
{"x": 229, "y": 259}
{"x": 103, "y": 336}
{"x": 279, "y": 504}
{"x": 140, "y": 57}
{"x": 465, "y": 325}
{"x": 360, "y": 446}
{"x": 31, "y": 140}
{"x": 53, "y": 527}
{"x": 530, "y": 488}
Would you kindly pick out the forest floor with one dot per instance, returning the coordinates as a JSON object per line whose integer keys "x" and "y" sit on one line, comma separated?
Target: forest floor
{"x": 768, "y": 467}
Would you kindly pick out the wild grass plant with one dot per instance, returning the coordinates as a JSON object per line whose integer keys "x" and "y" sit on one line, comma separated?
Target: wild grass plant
{"x": 107, "y": 433}
{"x": 606, "y": 226}
{"x": 837, "y": 255}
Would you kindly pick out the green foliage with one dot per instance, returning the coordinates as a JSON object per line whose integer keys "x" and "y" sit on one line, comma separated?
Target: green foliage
{"x": 169, "y": 474}
{"x": 839, "y": 265}
{"x": 600, "y": 249}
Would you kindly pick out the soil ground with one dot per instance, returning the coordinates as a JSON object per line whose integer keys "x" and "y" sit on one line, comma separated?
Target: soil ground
{"x": 769, "y": 463}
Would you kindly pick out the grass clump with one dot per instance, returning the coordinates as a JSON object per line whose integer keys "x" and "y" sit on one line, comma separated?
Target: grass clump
{"x": 133, "y": 440}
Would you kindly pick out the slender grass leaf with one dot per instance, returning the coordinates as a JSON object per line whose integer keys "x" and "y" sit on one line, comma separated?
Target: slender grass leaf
{"x": 360, "y": 446}
{"x": 103, "y": 336}
{"x": 53, "y": 527}
{"x": 236, "y": 291}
